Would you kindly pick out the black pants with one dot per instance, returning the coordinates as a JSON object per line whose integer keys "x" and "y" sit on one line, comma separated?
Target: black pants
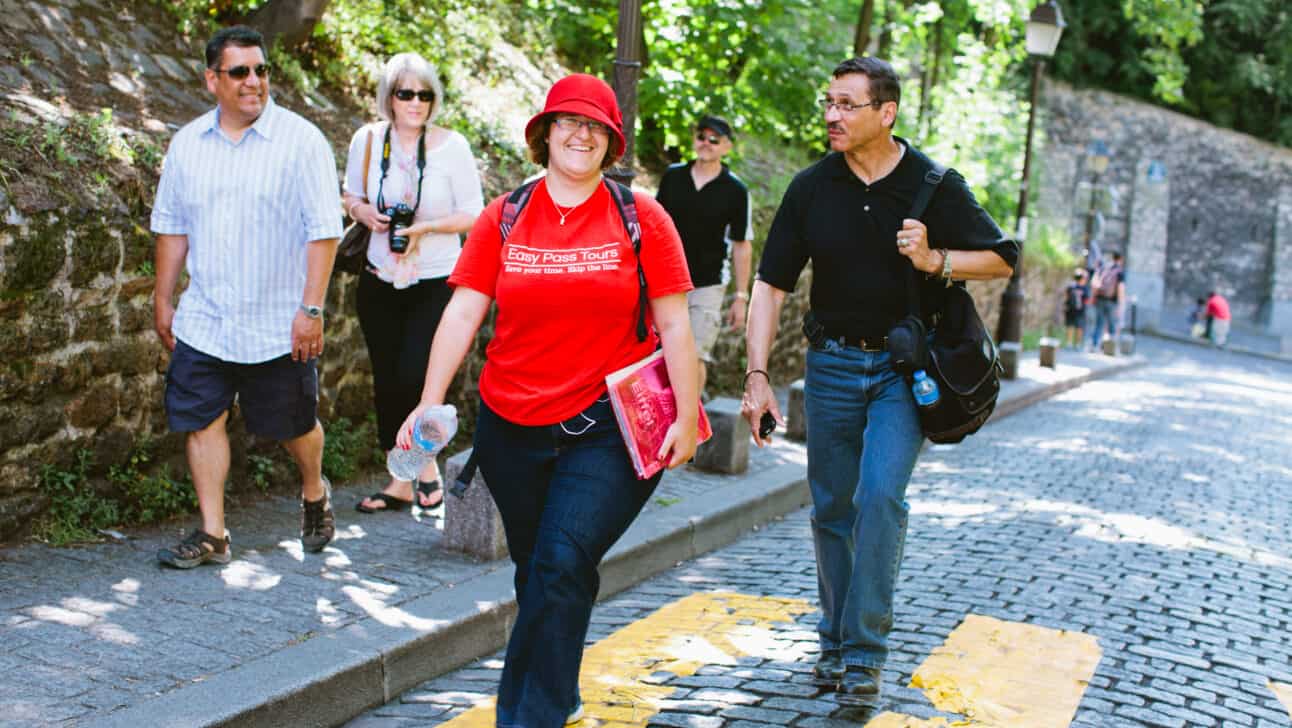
{"x": 398, "y": 326}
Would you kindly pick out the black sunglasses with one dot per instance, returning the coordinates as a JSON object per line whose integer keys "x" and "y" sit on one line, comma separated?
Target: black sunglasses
{"x": 710, "y": 138}
{"x": 426, "y": 96}
{"x": 238, "y": 73}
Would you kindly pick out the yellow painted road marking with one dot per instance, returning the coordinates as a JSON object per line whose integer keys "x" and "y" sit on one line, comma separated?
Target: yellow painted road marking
{"x": 698, "y": 630}
{"x": 1284, "y": 693}
{"x": 1004, "y": 675}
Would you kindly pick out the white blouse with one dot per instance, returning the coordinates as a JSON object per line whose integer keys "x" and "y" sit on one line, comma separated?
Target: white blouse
{"x": 451, "y": 183}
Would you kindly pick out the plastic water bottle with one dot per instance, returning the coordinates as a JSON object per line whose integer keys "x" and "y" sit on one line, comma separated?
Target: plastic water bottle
{"x": 925, "y": 390}
{"x": 432, "y": 431}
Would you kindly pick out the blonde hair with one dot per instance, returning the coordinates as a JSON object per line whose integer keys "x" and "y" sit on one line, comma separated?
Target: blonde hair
{"x": 404, "y": 65}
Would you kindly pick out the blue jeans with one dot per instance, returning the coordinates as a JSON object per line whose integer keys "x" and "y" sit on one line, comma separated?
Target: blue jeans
{"x": 566, "y": 493}
{"x": 863, "y": 438}
{"x": 1105, "y": 320}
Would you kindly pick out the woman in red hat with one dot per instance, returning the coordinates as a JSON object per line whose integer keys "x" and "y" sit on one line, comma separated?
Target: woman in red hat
{"x": 572, "y": 308}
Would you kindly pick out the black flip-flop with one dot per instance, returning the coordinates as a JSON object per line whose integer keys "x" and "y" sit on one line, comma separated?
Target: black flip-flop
{"x": 390, "y": 503}
{"x": 428, "y": 488}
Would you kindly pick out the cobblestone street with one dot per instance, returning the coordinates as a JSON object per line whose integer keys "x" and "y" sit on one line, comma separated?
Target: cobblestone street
{"x": 1150, "y": 511}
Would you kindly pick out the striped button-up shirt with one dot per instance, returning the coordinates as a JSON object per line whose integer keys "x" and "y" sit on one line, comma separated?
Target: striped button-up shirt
{"x": 249, "y": 209}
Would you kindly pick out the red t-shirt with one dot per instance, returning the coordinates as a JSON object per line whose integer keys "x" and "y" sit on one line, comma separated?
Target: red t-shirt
{"x": 567, "y": 299}
{"x": 1218, "y": 307}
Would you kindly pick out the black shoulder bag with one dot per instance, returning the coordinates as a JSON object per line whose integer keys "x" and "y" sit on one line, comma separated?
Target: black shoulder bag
{"x": 960, "y": 356}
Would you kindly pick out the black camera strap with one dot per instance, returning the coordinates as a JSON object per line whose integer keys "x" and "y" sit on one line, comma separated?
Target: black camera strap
{"x": 385, "y": 167}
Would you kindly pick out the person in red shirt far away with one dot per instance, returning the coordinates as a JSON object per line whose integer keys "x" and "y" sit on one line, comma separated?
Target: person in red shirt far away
{"x": 1217, "y": 318}
{"x": 571, "y": 309}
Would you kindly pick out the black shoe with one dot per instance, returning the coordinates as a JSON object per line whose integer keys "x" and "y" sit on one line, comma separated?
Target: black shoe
{"x": 859, "y": 686}
{"x": 318, "y": 525}
{"x": 828, "y": 669}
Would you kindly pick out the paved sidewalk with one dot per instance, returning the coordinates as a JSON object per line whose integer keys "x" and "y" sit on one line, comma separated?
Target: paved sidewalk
{"x": 99, "y": 635}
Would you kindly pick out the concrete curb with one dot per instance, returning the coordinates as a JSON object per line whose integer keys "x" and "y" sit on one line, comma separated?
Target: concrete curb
{"x": 333, "y": 677}
{"x": 1180, "y": 338}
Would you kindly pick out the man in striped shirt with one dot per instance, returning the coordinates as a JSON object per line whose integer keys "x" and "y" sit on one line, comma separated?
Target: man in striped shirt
{"x": 247, "y": 203}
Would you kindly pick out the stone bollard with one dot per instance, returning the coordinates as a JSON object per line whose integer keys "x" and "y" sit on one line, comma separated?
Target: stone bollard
{"x": 1009, "y": 352}
{"x": 1126, "y": 344}
{"x": 1109, "y": 346}
{"x": 471, "y": 523}
{"x": 1049, "y": 351}
{"x": 728, "y": 450}
{"x": 796, "y": 413}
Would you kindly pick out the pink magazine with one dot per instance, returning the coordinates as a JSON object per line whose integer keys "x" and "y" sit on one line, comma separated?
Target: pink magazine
{"x": 645, "y": 407}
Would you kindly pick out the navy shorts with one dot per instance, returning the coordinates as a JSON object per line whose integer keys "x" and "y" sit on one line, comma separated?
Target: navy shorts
{"x": 279, "y": 397}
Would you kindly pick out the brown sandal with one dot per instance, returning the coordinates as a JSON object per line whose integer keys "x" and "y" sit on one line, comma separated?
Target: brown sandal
{"x": 198, "y": 548}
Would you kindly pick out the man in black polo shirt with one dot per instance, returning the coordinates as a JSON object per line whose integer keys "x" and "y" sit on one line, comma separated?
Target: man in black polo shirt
{"x": 710, "y": 206}
{"x": 848, "y": 215}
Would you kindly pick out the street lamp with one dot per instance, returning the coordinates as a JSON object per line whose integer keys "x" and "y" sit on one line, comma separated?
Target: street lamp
{"x": 1097, "y": 157}
{"x": 1044, "y": 26}
{"x": 627, "y": 68}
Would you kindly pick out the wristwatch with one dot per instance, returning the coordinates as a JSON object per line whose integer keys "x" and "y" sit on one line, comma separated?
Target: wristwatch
{"x": 312, "y": 311}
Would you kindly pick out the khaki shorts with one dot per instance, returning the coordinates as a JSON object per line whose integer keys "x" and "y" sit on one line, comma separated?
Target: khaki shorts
{"x": 705, "y": 307}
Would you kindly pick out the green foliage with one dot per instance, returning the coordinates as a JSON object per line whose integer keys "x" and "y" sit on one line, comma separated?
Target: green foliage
{"x": 349, "y": 448}
{"x": 1050, "y": 246}
{"x": 148, "y": 495}
{"x": 75, "y": 511}
{"x": 1224, "y": 61}
{"x": 260, "y": 471}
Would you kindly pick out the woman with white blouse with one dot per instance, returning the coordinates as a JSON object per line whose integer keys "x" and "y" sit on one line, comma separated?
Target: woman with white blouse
{"x": 414, "y": 167}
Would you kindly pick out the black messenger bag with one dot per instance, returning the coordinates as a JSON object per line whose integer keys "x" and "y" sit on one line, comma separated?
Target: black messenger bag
{"x": 961, "y": 356}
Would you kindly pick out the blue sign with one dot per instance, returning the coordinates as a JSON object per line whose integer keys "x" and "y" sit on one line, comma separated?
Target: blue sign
{"x": 1156, "y": 171}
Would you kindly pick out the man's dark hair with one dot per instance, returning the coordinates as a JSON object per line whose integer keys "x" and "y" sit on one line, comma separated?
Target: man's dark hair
{"x": 882, "y": 79}
{"x": 238, "y": 35}
{"x": 1117, "y": 256}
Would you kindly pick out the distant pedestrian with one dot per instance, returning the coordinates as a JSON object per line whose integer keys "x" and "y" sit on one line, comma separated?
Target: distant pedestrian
{"x": 1075, "y": 295}
{"x": 1217, "y": 318}
{"x": 710, "y": 207}
{"x": 571, "y": 309}
{"x": 1198, "y": 319}
{"x": 847, "y": 214}
{"x": 1109, "y": 285}
{"x": 247, "y": 204}
{"x": 403, "y": 287}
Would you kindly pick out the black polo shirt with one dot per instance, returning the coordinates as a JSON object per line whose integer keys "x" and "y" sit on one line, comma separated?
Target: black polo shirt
{"x": 705, "y": 218}
{"x": 848, "y": 229}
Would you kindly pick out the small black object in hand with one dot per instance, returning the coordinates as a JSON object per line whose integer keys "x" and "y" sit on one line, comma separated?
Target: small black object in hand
{"x": 767, "y": 425}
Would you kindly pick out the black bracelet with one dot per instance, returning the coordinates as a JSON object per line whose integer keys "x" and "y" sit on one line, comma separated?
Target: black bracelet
{"x": 756, "y": 371}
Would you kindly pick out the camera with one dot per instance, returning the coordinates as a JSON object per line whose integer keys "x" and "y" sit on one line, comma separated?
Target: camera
{"x": 401, "y": 218}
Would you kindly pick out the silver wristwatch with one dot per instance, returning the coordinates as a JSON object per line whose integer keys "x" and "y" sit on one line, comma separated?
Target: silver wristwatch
{"x": 312, "y": 311}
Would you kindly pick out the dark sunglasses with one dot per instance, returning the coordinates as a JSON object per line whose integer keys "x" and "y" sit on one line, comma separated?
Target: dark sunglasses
{"x": 426, "y": 96}
{"x": 238, "y": 73}
{"x": 710, "y": 138}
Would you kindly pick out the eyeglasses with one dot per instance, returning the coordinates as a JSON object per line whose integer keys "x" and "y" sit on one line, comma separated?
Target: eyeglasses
{"x": 238, "y": 73}
{"x": 570, "y": 124}
{"x": 426, "y": 96}
{"x": 710, "y": 138}
{"x": 846, "y": 108}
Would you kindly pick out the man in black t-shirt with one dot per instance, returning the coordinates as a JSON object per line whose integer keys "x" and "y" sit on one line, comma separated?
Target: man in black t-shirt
{"x": 710, "y": 207}
{"x": 847, "y": 214}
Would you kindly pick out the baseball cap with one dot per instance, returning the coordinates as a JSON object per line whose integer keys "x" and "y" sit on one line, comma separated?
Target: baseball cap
{"x": 580, "y": 93}
{"x": 716, "y": 123}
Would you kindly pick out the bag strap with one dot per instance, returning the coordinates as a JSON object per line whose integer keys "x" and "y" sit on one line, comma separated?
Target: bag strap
{"x": 623, "y": 197}
{"x": 923, "y": 196}
{"x": 367, "y": 159}
{"x": 627, "y": 207}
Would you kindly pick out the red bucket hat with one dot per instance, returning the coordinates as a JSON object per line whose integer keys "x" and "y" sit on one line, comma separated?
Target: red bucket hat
{"x": 587, "y": 96}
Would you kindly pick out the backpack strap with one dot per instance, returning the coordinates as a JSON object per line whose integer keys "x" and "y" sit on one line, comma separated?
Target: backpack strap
{"x": 932, "y": 178}
{"x": 623, "y": 197}
{"x": 516, "y": 202}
